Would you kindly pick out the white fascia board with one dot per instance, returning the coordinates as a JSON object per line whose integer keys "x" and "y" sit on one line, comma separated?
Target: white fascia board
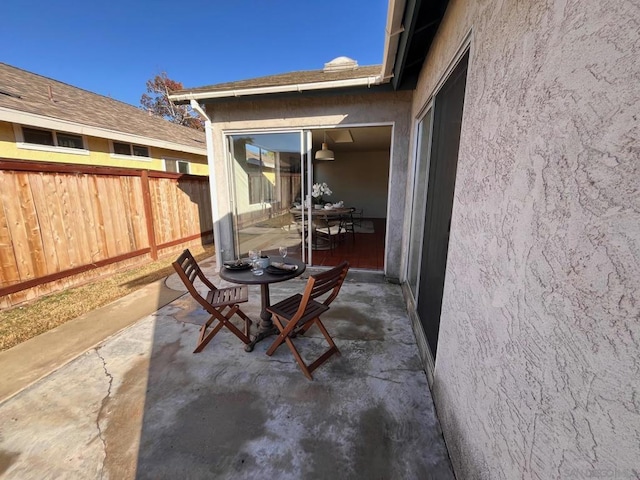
{"x": 34, "y": 120}
{"x": 299, "y": 87}
{"x": 391, "y": 37}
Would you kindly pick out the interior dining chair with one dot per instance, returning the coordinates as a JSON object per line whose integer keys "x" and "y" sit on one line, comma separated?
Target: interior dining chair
{"x": 215, "y": 303}
{"x": 294, "y": 316}
{"x": 349, "y": 223}
{"x": 330, "y": 228}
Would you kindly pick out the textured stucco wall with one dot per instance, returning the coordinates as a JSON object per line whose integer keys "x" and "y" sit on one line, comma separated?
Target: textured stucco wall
{"x": 537, "y": 373}
{"x": 316, "y": 112}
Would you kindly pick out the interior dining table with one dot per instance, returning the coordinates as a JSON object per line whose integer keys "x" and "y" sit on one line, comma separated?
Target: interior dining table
{"x": 324, "y": 212}
{"x": 319, "y": 215}
{"x": 247, "y": 277}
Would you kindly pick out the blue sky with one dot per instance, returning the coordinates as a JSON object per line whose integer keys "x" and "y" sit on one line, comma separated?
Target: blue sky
{"x": 114, "y": 47}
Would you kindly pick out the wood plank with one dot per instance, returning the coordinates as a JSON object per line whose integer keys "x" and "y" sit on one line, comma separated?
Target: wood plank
{"x": 8, "y": 262}
{"x": 137, "y": 213}
{"x": 68, "y": 168}
{"x": 41, "y": 201}
{"x": 122, "y": 240}
{"x": 164, "y": 212}
{"x": 76, "y": 223}
{"x": 18, "y": 228}
{"x": 54, "y": 208}
{"x": 98, "y": 217}
{"x": 70, "y": 234}
{"x": 149, "y": 215}
{"x": 159, "y": 205}
{"x": 85, "y": 198}
{"x": 182, "y": 209}
{"x": 172, "y": 196}
{"x": 107, "y": 221}
{"x": 127, "y": 212}
{"x": 32, "y": 224}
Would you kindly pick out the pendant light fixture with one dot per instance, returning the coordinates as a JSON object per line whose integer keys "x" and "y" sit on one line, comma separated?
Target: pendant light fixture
{"x": 325, "y": 153}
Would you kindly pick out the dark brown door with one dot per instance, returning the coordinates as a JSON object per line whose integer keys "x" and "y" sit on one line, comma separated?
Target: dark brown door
{"x": 447, "y": 122}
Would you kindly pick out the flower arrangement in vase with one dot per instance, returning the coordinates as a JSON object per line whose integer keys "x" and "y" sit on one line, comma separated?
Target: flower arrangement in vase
{"x": 318, "y": 190}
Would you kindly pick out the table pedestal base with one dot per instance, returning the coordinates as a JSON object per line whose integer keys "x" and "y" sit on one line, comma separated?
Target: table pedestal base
{"x": 265, "y": 326}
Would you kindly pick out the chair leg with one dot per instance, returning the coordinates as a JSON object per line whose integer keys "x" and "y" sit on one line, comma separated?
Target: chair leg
{"x": 296, "y": 354}
{"x": 205, "y": 337}
{"x": 247, "y": 322}
{"x": 223, "y": 321}
{"x": 280, "y": 338}
{"x": 285, "y": 337}
{"x": 226, "y": 320}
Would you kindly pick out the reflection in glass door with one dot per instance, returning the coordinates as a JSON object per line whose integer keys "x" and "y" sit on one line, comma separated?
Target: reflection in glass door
{"x": 267, "y": 181}
{"x": 419, "y": 203}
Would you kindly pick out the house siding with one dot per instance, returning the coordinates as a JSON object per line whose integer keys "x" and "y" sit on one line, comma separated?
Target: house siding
{"x": 98, "y": 154}
{"x": 317, "y": 112}
{"x": 536, "y": 375}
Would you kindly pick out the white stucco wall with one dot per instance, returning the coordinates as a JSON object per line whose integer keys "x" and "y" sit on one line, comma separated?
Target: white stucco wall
{"x": 392, "y": 108}
{"x": 537, "y": 371}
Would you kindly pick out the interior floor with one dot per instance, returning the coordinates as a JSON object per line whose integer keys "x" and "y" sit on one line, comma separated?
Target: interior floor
{"x": 364, "y": 249}
{"x": 361, "y": 250}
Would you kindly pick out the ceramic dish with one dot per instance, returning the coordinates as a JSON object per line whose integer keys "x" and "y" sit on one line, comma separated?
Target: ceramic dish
{"x": 237, "y": 265}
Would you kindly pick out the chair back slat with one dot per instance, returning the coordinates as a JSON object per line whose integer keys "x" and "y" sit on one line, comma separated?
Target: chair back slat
{"x": 188, "y": 270}
{"x": 329, "y": 280}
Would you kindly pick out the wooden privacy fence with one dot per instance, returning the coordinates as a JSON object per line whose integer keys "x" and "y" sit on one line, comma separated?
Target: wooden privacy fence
{"x": 62, "y": 224}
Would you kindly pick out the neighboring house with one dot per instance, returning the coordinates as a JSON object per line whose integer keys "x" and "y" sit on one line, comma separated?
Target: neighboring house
{"x": 513, "y": 214}
{"x": 45, "y": 120}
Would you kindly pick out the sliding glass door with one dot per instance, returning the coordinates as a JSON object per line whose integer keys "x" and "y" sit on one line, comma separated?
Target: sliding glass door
{"x": 437, "y": 159}
{"x": 268, "y": 178}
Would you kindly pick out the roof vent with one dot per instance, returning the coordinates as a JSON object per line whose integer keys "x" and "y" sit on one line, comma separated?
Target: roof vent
{"x": 339, "y": 64}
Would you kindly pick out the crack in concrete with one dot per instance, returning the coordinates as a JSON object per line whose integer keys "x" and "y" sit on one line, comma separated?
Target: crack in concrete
{"x": 102, "y": 407}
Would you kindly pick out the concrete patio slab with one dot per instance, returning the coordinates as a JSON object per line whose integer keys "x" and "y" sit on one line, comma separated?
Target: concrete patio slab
{"x": 141, "y": 405}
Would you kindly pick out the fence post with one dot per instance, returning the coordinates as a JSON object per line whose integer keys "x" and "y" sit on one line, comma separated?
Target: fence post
{"x": 148, "y": 213}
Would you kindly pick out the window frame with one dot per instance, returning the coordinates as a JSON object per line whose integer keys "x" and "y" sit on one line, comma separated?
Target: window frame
{"x": 177, "y": 162}
{"x": 131, "y": 154}
{"x": 22, "y": 143}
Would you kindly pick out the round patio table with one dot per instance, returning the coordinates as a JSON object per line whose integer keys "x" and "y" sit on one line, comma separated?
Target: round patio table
{"x": 246, "y": 277}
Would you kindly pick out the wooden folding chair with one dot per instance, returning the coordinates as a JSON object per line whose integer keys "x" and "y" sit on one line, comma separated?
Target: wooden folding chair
{"x": 295, "y": 315}
{"x": 216, "y": 301}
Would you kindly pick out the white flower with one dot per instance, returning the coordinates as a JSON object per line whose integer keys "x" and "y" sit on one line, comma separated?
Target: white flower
{"x": 320, "y": 189}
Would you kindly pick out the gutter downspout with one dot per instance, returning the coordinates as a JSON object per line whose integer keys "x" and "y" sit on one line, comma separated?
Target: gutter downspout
{"x": 212, "y": 181}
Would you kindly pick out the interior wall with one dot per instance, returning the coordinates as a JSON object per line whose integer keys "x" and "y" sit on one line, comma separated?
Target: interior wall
{"x": 536, "y": 374}
{"x": 360, "y": 179}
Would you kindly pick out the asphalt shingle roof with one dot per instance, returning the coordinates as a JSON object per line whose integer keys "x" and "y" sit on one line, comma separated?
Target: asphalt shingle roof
{"x": 28, "y": 92}
{"x": 291, "y": 78}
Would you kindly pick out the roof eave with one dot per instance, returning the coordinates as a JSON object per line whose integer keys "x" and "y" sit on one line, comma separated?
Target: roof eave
{"x": 392, "y": 37}
{"x": 34, "y": 120}
{"x": 367, "y": 81}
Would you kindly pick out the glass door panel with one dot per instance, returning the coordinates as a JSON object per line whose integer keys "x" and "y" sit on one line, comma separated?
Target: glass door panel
{"x": 267, "y": 181}
{"x": 419, "y": 202}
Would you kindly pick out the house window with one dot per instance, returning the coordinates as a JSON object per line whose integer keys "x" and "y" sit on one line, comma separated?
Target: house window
{"x": 120, "y": 148}
{"x": 52, "y": 138}
{"x": 69, "y": 141}
{"x": 261, "y": 174}
{"x": 176, "y": 166}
